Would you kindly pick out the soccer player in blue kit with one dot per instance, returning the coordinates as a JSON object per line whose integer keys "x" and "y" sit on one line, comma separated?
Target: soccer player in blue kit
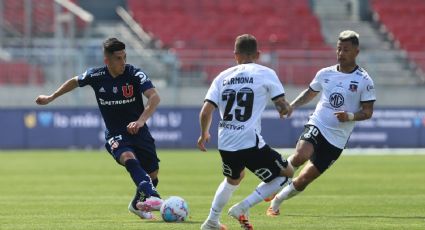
{"x": 118, "y": 88}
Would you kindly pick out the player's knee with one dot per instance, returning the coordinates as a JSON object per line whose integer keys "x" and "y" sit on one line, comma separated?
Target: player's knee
{"x": 300, "y": 183}
{"x": 126, "y": 156}
{"x": 234, "y": 182}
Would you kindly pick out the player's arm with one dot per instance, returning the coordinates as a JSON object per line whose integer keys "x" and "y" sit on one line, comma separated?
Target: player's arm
{"x": 304, "y": 97}
{"x": 150, "y": 107}
{"x": 205, "y": 118}
{"x": 69, "y": 85}
{"x": 365, "y": 112}
{"x": 282, "y": 106}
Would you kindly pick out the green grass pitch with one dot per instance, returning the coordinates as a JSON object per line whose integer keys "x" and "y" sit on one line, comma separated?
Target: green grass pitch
{"x": 58, "y": 189}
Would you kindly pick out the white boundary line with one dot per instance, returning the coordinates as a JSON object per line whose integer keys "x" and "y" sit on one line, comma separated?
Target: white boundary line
{"x": 369, "y": 151}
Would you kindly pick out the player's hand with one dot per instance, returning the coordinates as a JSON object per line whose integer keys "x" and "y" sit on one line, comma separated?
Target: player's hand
{"x": 204, "y": 138}
{"x": 133, "y": 127}
{"x": 288, "y": 114}
{"x": 43, "y": 99}
{"x": 342, "y": 116}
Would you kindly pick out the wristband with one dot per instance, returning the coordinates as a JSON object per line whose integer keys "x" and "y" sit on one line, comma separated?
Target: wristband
{"x": 350, "y": 116}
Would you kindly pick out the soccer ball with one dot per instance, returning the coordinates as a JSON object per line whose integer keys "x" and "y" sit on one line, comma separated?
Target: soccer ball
{"x": 174, "y": 209}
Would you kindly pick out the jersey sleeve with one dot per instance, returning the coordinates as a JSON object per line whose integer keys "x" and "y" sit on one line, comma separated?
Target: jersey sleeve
{"x": 145, "y": 81}
{"x": 275, "y": 87}
{"x": 85, "y": 78}
{"x": 316, "y": 84}
{"x": 213, "y": 94}
{"x": 368, "y": 93}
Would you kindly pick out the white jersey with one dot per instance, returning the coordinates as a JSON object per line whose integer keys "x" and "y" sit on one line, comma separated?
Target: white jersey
{"x": 241, "y": 93}
{"x": 340, "y": 92}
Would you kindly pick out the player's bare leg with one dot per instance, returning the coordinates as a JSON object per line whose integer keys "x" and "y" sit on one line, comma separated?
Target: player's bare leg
{"x": 303, "y": 152}
{"x": 307, "y": 175}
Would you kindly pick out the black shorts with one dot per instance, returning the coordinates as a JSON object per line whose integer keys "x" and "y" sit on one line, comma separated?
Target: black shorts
{"x": 265, "y": 163}
{"x": 325, "y": 154}
{"x": 143, "y": 148}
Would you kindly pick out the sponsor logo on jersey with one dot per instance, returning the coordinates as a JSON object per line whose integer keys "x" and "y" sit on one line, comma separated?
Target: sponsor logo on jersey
{"x": 226, "y": 125}
{"x": 115, "y": 89}
{"x": 97, "y": 74}
{"x": 127, "y": 91}
{"x": 336, "y": 100}
{"x": 370, "y": 87}
{"x": 116, "y": 102}
{"x": 102, "y": 90}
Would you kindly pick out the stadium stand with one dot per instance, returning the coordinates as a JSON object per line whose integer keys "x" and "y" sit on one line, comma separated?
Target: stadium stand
{"x": 28, "y": 20}
{"x": 386, "y": 64}
{"x": 37, "y": 21}
{"x": 20, "y": 73}
{"x": 204, "y": 30}
{"x": 404, "y": 21}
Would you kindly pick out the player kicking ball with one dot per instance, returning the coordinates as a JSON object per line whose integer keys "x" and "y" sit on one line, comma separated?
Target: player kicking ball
{"x": 118, "y": 88}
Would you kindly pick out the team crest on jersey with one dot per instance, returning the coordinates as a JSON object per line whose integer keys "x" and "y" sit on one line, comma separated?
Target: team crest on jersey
{"x": 115, "y": 89}
{"x": 127, "y": 91}
{"x": 353, "y": 86}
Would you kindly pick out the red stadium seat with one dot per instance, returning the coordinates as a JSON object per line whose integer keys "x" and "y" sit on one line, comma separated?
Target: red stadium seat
{"x": 404, "y": 20}
{"x": 20, "y": 73}
{"x": 205, "y": 25}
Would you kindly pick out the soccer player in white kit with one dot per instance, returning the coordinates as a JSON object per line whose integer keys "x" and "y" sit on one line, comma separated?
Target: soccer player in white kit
{"x": 348, "y": 96}
{"x": 241, "y": 94}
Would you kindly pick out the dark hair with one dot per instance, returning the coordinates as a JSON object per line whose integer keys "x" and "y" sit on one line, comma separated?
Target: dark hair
{"x": 349, "y": 35}
{"x": 246, "y": 44}
{"x": 111, "y": 45}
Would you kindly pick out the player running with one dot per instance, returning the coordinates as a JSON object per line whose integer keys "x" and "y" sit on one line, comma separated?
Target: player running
{"x": 241, "y": 94}
{"x": 118, "y": 88}
{"x": 348, "y": 95}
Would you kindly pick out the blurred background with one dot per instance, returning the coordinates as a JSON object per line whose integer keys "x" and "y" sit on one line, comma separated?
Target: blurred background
{"x": 184, "y": 44}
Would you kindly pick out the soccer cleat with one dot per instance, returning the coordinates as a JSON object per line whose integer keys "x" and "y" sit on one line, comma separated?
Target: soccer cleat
{"x": 272, "y": 213}
{"x": 212, "y": 225}
{"x": 241, "y": 215}
{"x": 152, "y": 203}
{"x": 270, "y": 198}
{"x": 139, "y": 213}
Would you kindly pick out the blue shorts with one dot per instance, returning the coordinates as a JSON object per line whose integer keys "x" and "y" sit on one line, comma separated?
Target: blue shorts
{"x": 143, "y": 147}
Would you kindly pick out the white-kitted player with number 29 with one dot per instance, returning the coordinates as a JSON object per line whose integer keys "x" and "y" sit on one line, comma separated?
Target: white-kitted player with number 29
{"x": 241, "y": 93}
{"x": 348, "y": 95}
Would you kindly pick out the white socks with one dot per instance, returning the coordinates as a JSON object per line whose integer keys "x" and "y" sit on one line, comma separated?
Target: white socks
{"x": 222, "y": 196}
{"x": 263, "y": 191}
{"x": 286, "y": 193}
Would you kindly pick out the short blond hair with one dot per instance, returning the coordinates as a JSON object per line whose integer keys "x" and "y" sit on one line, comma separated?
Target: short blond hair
{"x": 349, "y": 35}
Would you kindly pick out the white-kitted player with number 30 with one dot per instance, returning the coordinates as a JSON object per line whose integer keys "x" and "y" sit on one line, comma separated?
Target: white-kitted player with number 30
{"x": 241, "y": 93}
{"x": 348, "y": 95}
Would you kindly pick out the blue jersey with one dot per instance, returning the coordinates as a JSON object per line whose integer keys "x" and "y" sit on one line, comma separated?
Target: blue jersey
{"x": 119, "y": 99}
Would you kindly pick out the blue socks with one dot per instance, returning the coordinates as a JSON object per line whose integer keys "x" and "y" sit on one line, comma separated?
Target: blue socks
{"x": 137, "y": 173}
{"x": 145, "y": 188}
